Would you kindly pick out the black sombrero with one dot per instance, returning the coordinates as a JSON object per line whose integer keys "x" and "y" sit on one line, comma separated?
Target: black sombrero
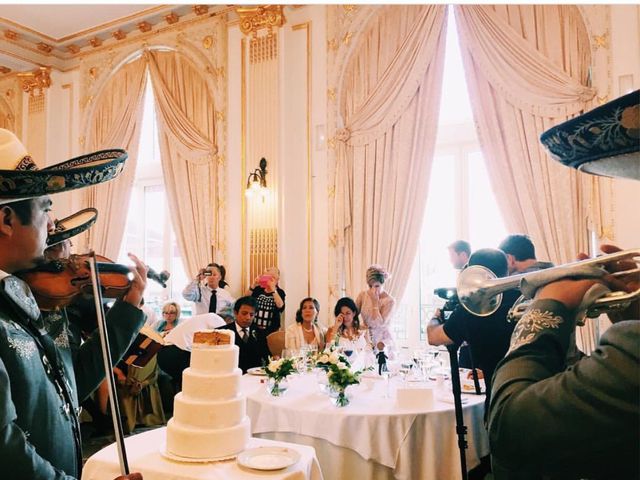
{"x": 72, "y": 225}
{"x": 603, "y": 141}
{"x": 21, "y": 179}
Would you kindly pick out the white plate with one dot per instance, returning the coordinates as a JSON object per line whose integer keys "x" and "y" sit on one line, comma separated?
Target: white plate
{"x": 177, "y": 458}
{"x": 257, "y": 371}
{"x": 268, "y": 458}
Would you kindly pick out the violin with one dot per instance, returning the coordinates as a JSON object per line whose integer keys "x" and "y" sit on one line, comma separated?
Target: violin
{"x": 57, "y": 283}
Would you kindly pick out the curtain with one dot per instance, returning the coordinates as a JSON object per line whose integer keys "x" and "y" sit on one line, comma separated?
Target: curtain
{"x": 186, "y": 129}
{"x": 527, "y": 69}
{"x": 115, "y": 123}
{"x": 388, "y": 102}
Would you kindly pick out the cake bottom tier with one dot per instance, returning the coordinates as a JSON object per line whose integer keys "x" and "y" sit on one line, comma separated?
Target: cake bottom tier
{"x": 191, "y": 442}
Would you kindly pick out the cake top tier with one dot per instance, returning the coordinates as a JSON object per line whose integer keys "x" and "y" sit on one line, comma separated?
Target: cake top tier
{"x": 208, "y": 338}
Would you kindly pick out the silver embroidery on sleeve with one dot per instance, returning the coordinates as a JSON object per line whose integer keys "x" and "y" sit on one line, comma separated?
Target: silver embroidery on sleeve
{"x": 24, "y": 348}
{"x": 530, "y": 325}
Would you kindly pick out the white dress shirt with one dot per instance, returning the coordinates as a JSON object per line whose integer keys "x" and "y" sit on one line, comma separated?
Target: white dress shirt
{"x": 200, "y": 295}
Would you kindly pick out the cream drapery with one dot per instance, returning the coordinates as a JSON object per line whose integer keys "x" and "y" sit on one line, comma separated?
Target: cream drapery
{"x": 527, "y": 69}
{"x": 115, "y": 123}
{"x": 186, "y": 131}
{"x": 388, "y": 105}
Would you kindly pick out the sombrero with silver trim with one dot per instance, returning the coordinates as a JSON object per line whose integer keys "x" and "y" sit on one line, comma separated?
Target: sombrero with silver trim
{"x": 21, "y": 179}
{"x": 603, "y": 141}
{"x": 72, "y": 225}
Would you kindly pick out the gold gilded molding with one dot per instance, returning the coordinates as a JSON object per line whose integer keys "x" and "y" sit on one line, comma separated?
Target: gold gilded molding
{"x": 207, "y": 42}
{"x": 347, "y": 38}
{"x": 601, "y": 41}
{"x": 44, "y": 47}
{"x": 36, "y": 81}
{"x": 331, "y": 94}
{"x": 11, "y": 35}
{"x": 95, "y": 42}
{"x": 171, "y": 18}
{"x": 603, "y": 100}
{"x": 253, "y": 19}
{"x": 144, "y": 27}
{"x": 73, "y": 49}
{"x": 332, "y": 45}
{"x": 200, "y": 9}
{"x": 243, "y": 158}
{"x": 119, "y": 35}
{"x": 93, "y": 72}
{"x": 4, "y": 69}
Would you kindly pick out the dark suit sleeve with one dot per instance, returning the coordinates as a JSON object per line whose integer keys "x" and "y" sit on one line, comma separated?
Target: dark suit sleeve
{"x": 17, "y": 455}
{"x": 123, "y": 323}
{"x": 546, "y": 419}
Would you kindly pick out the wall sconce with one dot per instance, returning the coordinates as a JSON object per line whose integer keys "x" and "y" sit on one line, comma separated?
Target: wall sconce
{"x": 257, "y": 181}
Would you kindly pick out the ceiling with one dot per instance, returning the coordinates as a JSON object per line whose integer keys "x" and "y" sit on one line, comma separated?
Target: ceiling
{"x": 60, "y": 21}
{"x": 56, "y": 35}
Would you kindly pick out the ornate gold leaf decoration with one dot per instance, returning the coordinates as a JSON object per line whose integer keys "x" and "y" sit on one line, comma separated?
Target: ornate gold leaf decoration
{"x": 347, "y": 38}
{"x": 331, "y": 94}
{"x": 44, "y": 47}
{"x": 11, "y": 35}
{"x": 171, "y": 18}
{"x": 93, "y": 72}
{"x": 73, "y": 48}
{"x": 200, "y": 9}
{"x": 144, "y": 27}
{"x": 4, "y": 69}
{"x": 119, "y": 35}
{"x": 332, "y": 45}
{"x": 207, "y": 42}
{"x": 95, "y": 42}
{"x": 603, "y": 100}
{"x": 601, "y": 41}
{"x": 253, "y": 19}
{"x": 36, "y": 81}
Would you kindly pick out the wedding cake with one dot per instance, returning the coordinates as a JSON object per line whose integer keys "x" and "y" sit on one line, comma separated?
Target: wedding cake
{"x": 209, "y": 415}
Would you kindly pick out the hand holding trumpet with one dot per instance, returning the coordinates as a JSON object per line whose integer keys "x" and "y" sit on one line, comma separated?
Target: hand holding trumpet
{"x": 571, "y": 292}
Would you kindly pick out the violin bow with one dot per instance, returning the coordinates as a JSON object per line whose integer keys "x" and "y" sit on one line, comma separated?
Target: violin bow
{"x": 108, "y": 365}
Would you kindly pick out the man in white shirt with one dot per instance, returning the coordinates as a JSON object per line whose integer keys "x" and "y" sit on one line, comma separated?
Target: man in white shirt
{"x": 175, "y": 355}
{"x": 207, "y": 292}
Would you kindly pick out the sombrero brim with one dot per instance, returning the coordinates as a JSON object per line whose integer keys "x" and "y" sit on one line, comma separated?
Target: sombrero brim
{"x": 72, "y": 225}
{"x": 603, "y": 141}
{"x": 79, "y": 172}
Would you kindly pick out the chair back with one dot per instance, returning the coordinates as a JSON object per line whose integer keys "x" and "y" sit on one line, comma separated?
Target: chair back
{"x": 275, "y": 342}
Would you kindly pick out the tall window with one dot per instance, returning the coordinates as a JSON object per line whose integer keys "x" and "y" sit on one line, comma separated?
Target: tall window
{"x": 149, "y": 232}
{"x": 460, "y": 204}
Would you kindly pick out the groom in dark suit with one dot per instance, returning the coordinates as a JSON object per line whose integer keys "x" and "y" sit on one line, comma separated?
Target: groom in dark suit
{"x": 250, "y": 339}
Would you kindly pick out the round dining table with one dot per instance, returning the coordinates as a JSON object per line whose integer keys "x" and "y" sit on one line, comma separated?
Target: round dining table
{"x": 375, "y": 436}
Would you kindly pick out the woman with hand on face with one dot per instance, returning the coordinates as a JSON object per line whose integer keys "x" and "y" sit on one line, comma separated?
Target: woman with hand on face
{"x": 376, "y": 306}
{"x": 346, "y": 331}
{"x": 305, "y": 332}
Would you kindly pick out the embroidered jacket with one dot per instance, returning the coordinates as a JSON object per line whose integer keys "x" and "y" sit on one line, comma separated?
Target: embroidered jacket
{"x": 548, "y": 421}
{"x": 39, "y": 430}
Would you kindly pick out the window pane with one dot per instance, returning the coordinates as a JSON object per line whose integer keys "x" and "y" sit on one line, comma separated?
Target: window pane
{"x": 486, "y": 226}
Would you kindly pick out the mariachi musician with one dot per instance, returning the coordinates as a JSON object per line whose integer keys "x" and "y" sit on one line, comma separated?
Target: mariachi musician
{"x": 41, "y": 382}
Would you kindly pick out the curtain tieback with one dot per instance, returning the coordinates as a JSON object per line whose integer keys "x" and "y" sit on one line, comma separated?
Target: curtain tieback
{"x": 344, "y": 134}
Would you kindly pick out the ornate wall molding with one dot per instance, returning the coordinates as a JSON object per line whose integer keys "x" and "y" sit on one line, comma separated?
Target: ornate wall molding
{"x": 254, "y": 19}
{"x": 34, "y": 83}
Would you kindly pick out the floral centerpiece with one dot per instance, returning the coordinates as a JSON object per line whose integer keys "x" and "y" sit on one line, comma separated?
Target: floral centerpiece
{"x": 277, "y": 371}
{"x": 329, "y": 357}
{"x": 340, "y": 377}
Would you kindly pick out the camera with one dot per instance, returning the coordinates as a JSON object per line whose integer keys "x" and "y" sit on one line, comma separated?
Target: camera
{"x": 451, "y": 297}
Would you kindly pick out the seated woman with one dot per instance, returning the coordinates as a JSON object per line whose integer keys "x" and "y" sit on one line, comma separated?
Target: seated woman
{"x": 170, "y": 318}
{"x": 346, "y": 331}
{"x": 305, "y": 332}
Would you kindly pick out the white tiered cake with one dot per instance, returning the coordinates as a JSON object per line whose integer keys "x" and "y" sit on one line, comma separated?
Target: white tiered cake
{"x": 209, "y": 415}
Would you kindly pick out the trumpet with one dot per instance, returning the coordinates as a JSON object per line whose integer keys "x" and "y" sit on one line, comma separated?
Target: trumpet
{"x": 480, "y": 291}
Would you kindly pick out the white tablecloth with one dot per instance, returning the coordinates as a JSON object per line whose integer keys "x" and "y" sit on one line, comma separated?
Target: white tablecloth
{"x": 372, "y": 437}
{"x": 143, "y": 452}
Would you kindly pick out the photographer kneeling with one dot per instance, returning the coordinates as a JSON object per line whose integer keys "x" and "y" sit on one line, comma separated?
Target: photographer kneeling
{"x": 488, "y": 337}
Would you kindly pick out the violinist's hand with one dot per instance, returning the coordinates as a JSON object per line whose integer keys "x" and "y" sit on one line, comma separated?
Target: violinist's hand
{"x": 138, "y": 284}
{"x": 131, "y": 476}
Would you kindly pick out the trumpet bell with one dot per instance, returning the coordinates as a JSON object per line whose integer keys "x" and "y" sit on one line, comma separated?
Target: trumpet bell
{"x": 473, "y": 294}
